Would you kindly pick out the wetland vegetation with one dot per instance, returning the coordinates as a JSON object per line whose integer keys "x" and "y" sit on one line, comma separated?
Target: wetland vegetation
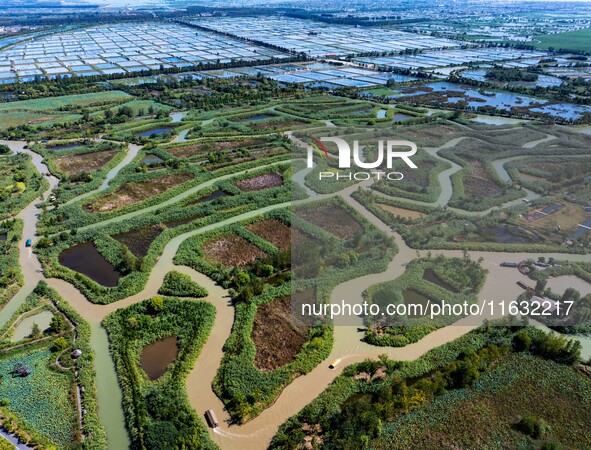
{"x": 180, "y": 168}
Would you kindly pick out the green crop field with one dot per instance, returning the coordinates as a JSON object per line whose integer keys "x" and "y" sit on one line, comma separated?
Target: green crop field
{"x": 382, "y": 91}
{"x": 573, "y": 40}
{"x": 140, "y": 106}
{"x": 518, "y": 386}
{"x": 53, "y": 110}
{"x": 65, "y": 101}
{"x": 9, "y": 118}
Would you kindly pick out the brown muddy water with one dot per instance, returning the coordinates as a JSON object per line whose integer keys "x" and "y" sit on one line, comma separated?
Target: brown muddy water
{"x": 157, "y": 356}
{"x": 412, "y": 297}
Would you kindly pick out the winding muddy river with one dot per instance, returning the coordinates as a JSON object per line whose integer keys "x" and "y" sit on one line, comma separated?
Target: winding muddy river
{"x": 347, "y": 337}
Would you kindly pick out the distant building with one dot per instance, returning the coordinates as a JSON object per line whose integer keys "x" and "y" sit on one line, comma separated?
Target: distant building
{"x": 76, "y": 353}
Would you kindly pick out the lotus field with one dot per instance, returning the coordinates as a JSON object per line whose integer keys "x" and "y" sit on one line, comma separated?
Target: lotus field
{"x": 42, "y": 399}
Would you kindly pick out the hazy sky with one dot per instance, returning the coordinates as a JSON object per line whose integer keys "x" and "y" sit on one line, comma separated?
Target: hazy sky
{"x": 202, "y": 2}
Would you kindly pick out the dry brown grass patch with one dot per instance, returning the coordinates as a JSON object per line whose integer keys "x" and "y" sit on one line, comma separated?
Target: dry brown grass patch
{"x": 333, "y": 219}
{"x": 273, "y": 231}
{"x": 231, "y": 250}
{"x": 87, "y": 162}
{"x": 136, "y": 191}
{"x": 277, "y": 340}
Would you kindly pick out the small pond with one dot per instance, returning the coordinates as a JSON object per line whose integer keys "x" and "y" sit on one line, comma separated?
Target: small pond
{"x": 431, "y": 276}
{"x": 65, "y": 146}
{"x": 399, "y": 117}
{"x": 209, "y": 197}
{"x": 509, "y": 235}
{"x": 179, "y": 222}
{"x": 412, "y": 297}
{"x": 23, "y": 329}
{"x": 157, "y": 356}
{"x": 152, "y": 159}
{"x": 87, "y": 260}
{"x": 257, "y": 117}
{"x": 496, "y": 120}
{"x": 154, "y": 132}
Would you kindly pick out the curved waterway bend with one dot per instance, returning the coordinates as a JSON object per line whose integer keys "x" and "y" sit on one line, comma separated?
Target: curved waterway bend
{"x": 304, "y": 389}
{"x": 182, "y": 136}
{"x": 446, "y": 187}
{"x": 347, "y": 343}
{"x": 108, "y": 392}
{"x": 30, "y": 265}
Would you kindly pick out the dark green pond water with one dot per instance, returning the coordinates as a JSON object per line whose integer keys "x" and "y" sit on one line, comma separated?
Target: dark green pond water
{"x": 87, "y": 260}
